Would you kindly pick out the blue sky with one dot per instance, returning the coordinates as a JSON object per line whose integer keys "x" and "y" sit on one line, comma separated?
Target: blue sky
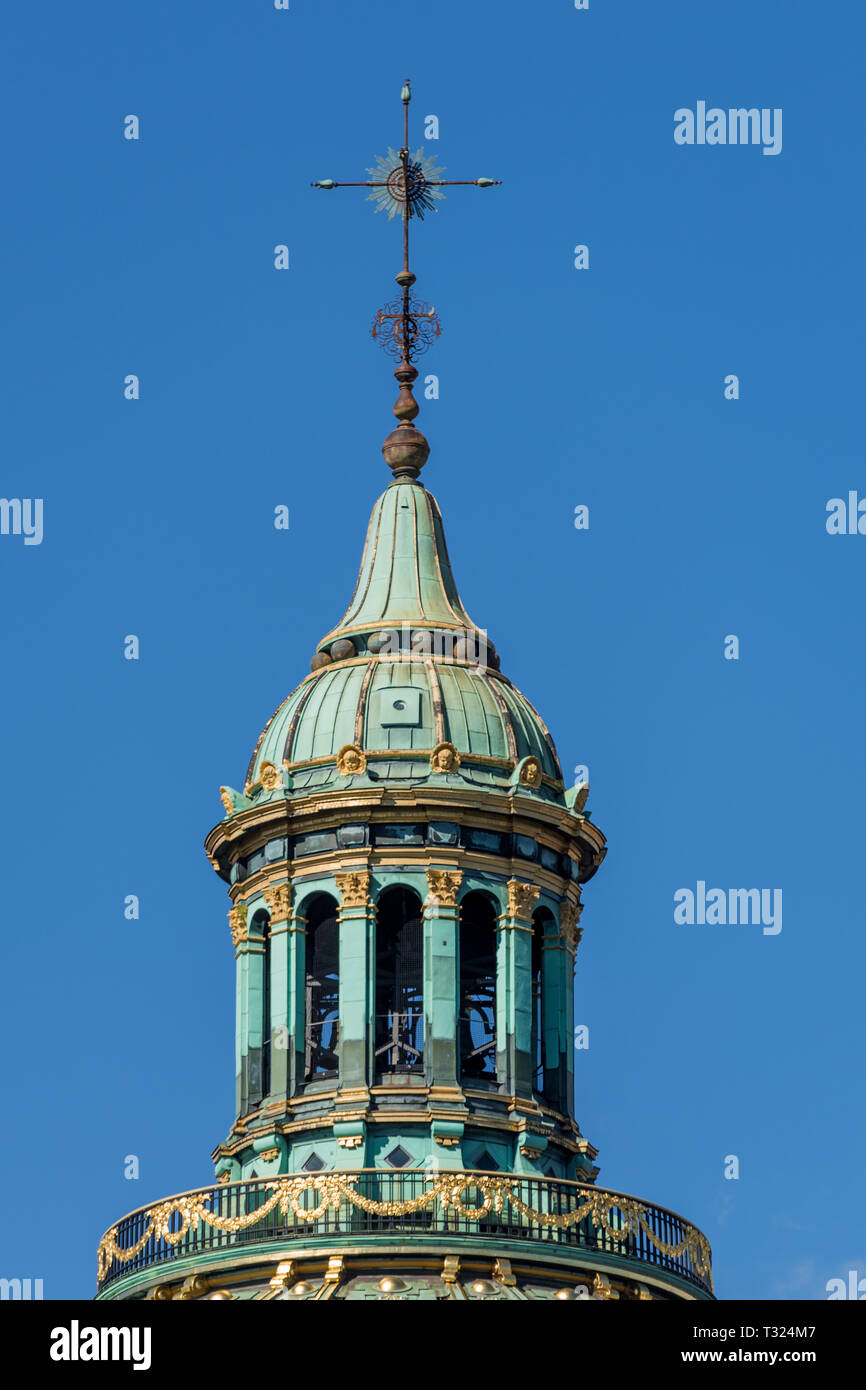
{"x": 558, "y": 387}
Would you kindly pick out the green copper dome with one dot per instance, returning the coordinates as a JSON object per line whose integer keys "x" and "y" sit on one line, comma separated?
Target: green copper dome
{"x": 387, "y": 705}
{"x": 405, "y": 670}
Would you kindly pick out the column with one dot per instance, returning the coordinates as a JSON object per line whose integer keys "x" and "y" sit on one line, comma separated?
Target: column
{"x": 357, "y": 919}
{"x": 238, "y": 923}
{"x": 288, "y": 964}
{"x": 441, "y": 918}
{"x": 570, "y": 932}
{"x": 514, "y": 1059}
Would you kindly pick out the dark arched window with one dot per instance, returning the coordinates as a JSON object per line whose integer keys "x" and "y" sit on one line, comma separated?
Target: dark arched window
{"x": 539, "y": 918}
{"x": 477, "y": 997}
{"x": 399, "y": 989}
{"x": 322, "y": 990}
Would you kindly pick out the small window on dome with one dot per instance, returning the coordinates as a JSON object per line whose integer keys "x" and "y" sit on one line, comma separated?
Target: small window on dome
{"x": 314, "y": 1164}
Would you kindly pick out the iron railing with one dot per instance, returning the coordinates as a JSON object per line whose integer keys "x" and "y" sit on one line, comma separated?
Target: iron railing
{"x": 412, "y": 1203}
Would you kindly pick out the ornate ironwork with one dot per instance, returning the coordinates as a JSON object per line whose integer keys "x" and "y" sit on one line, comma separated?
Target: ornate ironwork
{"x": 406, "y": 327}
{"x": 408, "y": 185}
{"x": 459, "y": 1205}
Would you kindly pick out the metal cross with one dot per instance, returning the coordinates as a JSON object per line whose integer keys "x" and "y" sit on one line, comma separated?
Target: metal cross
{"x": 406, "y": 184}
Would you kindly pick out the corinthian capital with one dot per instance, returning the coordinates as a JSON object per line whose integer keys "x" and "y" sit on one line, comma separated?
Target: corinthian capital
{"x": 444, "y": 885}
{"x": 521, "y": 896}
{"x": 279, "y": 900}
{"x": 354, "y": 887}
{"x": 238, "y": 924}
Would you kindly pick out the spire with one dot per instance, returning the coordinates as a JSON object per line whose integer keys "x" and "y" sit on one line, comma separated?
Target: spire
{"x": 408, "y": 185}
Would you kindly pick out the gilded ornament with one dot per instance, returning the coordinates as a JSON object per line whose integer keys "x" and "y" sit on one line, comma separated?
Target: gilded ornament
{"x": 270, "y": 777}
{"x": 530, "y": 773}
{"x": 521, "y": 897}
{"x": 226, "y": 799}
{"x": 444, "y": 886}
{"x": 238, "y": 923}
{"x": 354, "y": 887}
{"x": 444, "y": 758}
{"x": 278, "y": 897}
{"x": 569, "y": 916}
{"x": 350, "y": 760}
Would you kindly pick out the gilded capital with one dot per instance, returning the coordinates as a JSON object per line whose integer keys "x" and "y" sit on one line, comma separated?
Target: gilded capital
{"x": 279, "y": 900}
{"x": 354, "y": 887}
{"x": 569, "y": 916}
{"x": 521, "y": 896}
{"x": 444, "y": 885}
{"x": 238, "y": 923}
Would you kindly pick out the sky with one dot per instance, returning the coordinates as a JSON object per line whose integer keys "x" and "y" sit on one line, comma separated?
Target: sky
{"x": 603, "y": 387}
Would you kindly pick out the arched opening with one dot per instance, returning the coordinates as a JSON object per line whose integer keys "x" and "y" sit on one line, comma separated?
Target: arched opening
{"x": 399, "y": 989}
{"x": 477, "y": 988}
{"x": 539, "y": 920}
{"x": 322, "y": 990}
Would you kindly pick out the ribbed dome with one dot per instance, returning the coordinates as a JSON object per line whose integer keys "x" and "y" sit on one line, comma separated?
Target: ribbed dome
{"x": 476, "y": 709}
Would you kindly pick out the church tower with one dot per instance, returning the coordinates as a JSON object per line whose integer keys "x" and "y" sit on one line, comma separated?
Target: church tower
{"x": 405, "y": 867}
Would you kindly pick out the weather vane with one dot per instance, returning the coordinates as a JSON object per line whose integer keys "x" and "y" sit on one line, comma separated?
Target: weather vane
{"x": 408, "y": 185}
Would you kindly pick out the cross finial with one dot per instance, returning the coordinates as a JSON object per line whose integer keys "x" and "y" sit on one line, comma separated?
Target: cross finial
{"x": 407, "y": 185}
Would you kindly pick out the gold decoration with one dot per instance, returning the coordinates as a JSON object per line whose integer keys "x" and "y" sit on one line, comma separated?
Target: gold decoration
{"x": 226, "y": 799}
{"x": 270, "y": 777}
{"x": 444, "y": 758}
{"x": 350, "y": 1141}
{"x": 602, "y": 1287}
{"x": 448, "y": 1141}
{"x": 530, "y": 773}
{"x": 225, "y": 1177}
{"x": 569, "y": 916}
{"x": 582, "y": 797}
{"x": 350, "y": 760}
{"x": 521, "y": 896}
{"x": 238, "y": 923}
{"x": 616, "y": 1217}
{"x": 444, "y": 886}
{"x": 268, "y": 1155}
{"x": 196, "y": 1286}
{"x": 278, "y": 897}
{"x": 354, "y": 887}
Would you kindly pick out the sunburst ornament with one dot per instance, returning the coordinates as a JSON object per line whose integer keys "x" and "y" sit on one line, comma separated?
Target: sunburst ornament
{"x": 411, "y": 192}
